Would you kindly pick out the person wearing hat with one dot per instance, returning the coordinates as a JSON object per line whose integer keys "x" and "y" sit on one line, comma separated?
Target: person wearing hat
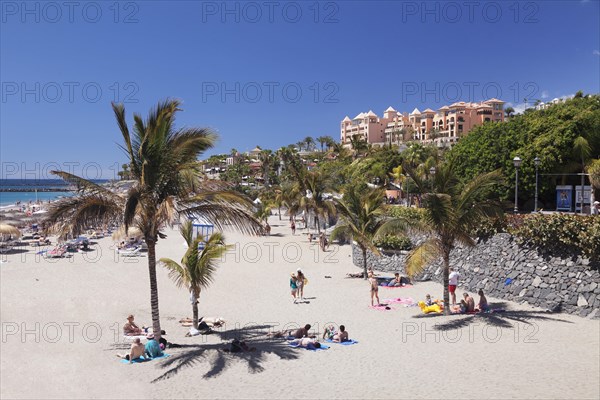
{"x": 137, "y": 350}
{"x": 130, "y": 328}
{"x": 595, "y": 208}
{"x": 152, "y": 348}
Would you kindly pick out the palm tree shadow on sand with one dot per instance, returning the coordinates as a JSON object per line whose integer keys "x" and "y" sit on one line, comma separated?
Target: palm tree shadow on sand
{"x": 505, "y": 319}
{"x": 219, "y": 360}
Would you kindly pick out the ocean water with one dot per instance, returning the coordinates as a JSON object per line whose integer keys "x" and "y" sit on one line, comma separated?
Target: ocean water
{"x": 23, "y": 190}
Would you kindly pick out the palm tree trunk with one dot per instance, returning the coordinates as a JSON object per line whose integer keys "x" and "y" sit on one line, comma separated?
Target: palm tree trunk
{"x": 318, "y": 225}
{"x": 195, "y": 311}
{"x": 153, "y": 288}
{"x": 364, "y": 251}
{"x": 279, "y": 209}
{"x": 446, "y": 280}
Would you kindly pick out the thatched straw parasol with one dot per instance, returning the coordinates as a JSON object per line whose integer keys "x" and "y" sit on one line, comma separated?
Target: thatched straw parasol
{"x": 131, "y": 232}
{"x": 7, "y": 231}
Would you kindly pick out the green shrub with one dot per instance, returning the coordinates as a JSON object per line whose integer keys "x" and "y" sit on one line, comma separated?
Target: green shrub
{"x": 567, "y": 232}
{"x": 393, "y": 242}
{"x": 409, "y": 213}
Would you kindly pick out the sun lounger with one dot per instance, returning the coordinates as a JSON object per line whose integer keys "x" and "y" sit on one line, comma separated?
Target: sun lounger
{"x": 56, "y": 252}
{"x": 130, "y": 252}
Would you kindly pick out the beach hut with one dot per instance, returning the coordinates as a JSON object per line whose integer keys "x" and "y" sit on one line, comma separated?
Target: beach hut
{"x": 202, "y": 228}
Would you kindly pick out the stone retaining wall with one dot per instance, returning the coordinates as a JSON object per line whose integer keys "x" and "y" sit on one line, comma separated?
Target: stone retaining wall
{"x": 506, "y": 270}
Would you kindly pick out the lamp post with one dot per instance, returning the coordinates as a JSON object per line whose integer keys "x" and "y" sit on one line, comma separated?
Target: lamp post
{"x": 536, "y": 161}
{"x": 517, "y": 163}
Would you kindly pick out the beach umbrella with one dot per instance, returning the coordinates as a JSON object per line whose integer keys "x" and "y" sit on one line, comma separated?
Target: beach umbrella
{"x": 8, "y": 231}
{"x": 131, "y": 232}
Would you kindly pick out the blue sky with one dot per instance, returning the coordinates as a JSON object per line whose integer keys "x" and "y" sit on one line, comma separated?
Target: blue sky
{"x": 269, "y": 73}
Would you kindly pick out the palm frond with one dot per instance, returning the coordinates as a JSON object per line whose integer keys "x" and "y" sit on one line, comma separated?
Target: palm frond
{"x": 421, "y": 256}
{"x": 75, "y": 214}
{"x": 177, "y": 273}
{"x": 83, "y": 184}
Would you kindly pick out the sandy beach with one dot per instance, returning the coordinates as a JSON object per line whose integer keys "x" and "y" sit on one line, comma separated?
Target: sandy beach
{"x": 62, "y": 319}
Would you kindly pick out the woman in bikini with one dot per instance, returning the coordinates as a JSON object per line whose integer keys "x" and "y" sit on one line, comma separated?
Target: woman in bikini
{"x": 374, "y": 288}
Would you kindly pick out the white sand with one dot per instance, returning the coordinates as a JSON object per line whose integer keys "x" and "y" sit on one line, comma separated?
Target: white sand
{"x": 535, "y": 355}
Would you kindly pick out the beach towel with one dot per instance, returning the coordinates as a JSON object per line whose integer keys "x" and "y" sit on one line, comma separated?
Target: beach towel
{"x": 381, "y": 307}
{"x": 394, "y": 287}
{"x": 400, "y": 300}
{"x": 344, "y": 343}
{"x": 143, "y": 359}
{"x": 323, "y": 347}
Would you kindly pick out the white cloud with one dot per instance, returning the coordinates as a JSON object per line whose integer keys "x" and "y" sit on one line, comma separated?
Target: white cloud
{"x": 596, "y": 52}
{"x": 544, "y": 94}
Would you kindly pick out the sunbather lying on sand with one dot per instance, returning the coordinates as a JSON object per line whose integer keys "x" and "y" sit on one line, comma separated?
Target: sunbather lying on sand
{"x": 309, "y": 343}
{"x": 238, "y": 347}
{"x": 212, "y": 322}
{"x": 298, "y": 333}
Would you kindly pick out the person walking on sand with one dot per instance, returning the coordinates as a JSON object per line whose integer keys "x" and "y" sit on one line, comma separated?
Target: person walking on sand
{"x": 374, "y": 288}
{"x": 452, "y": 284}
{"x": 294, "y": 286}
{"x": 293, "y": 226}
{"x": 300, "y": 279}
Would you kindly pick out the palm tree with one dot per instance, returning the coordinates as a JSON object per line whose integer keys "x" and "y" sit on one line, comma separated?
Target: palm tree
{"x": 582, "y": 150}
{"x": 324, "y": 140}
{"x": 198, "y": 267}
{"x": 309, "y": 143}
{"x": 163, "y": 164}
{"x": 358, "y": 144}
{"x": 452, "y": 209}
{"x": 509, "y": 111}
{"x": 362, "y": 215}
{"x": 316, "y": 183}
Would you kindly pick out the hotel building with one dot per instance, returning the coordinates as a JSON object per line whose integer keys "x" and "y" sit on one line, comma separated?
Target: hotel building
{"x": 442, "y": 127}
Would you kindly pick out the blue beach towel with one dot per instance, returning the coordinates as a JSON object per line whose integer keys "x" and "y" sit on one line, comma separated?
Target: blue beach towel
{"x": 143, "y": 359}
{"x": 344, "y": 343}
{"x": 323, "y": 347}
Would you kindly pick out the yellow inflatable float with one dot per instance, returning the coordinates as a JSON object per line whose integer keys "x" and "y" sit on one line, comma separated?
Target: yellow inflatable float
{"x": 429, "y": 309}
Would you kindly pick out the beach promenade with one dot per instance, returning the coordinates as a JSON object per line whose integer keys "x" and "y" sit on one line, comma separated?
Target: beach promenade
{"x": 62, "y": 326}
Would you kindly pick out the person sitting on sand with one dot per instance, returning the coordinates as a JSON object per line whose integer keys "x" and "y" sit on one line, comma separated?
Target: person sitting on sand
{"x": 374, "y": 288}
{"x": 297, "y": 334}
{"x": 152, "y": 348}
{"x": 309, "y": 343}
{"x": 335, "y": 336}
{"x": 130, "y": 328}
{"x": 397, "y": 281}
{"x": 137, "y": 350}
{"x": 460, "y": 308}
{"x": 483, "y": 303}
{"x": 470, "y": 302}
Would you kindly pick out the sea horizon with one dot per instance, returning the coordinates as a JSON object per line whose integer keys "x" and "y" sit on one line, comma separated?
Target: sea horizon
{"x": 34, "y": 190}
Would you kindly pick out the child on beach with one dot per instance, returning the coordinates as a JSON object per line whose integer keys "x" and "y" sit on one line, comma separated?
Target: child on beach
{"x": 294, "y": 286}
{"x": 293, "y": 226}
{"x": 374, "y": 288}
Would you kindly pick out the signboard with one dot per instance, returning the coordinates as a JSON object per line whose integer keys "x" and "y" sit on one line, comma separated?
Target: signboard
{"x": 587, "y": 195}
{"x": 564, "y": 198}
